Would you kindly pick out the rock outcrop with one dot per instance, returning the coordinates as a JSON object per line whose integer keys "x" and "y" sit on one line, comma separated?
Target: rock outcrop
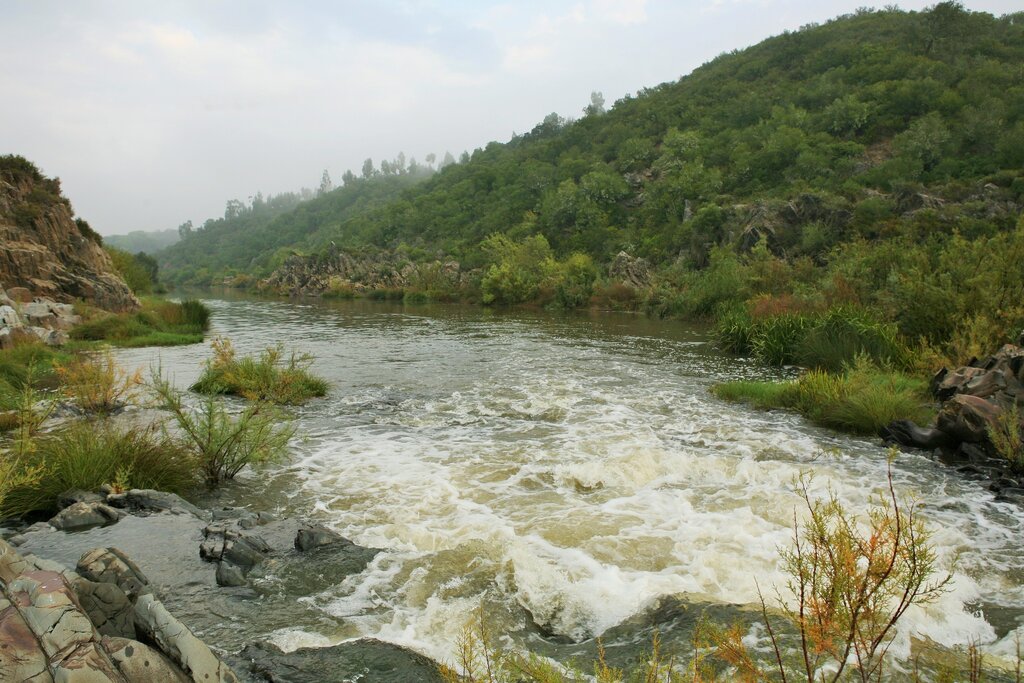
{"x": 338, "y": 271}
{"x": 45, "y": 251}
{"x": 23, "y": 318}
{"x": 977, "y": 400}
{"x": 58, "y": 625}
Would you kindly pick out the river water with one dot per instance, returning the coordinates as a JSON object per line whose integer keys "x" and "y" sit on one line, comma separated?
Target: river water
{"x": 572, "y": 477}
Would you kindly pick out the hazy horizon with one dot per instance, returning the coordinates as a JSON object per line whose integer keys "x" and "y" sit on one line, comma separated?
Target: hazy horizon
{"x": 153, "y": 114}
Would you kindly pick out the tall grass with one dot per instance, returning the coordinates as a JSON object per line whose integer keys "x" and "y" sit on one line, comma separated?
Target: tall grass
{"x": 266, "y": 377}
{"x": 827, "y": 340}
{"x": 90, "y": 454}
{"x": 862, "y": 399}
{"x": 158, "y": 323}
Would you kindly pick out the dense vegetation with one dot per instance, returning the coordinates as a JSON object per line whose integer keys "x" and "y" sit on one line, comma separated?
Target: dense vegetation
{"x": 872, "y": 163}
{"x": 158, "y": 323}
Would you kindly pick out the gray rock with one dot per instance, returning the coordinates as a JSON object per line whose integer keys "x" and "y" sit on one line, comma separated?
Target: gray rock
{"x": 906, "y": 433}
{"x": 140, "y": 663}
{"x": 317, "y": 536}
{"x": 224, "y": 544}
{"x": 69, "y": 498}
{"x": 230, "y": 575}
{"x": 21, "y": 658}
{"x": 85, "y": 515}
{"x": 9, "y": 317}
{"x": 148, "y": 500}
{"x": 178, "y": 643}
{"x": 374, "y": 660}
{"x": 110, "y": 565}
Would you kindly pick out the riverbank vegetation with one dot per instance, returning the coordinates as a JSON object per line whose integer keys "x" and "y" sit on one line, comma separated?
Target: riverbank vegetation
{"x": 158, "y": 323}
{"x": 197, "y": 443}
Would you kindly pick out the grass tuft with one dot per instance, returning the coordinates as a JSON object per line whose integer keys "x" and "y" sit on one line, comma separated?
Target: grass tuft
{"x": 266, "y": 377}
{"x": 158, "y": 323}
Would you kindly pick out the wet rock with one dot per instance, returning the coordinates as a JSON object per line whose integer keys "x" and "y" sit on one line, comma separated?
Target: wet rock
{"x": 967, "y": 418}
{"x": 140, "y": 663}
{"x": 21, "y": 658}
{"x": 178, "y": 643}
{"x": 317, "y": 536}
{"x": 1011, "y": 494}
{"x": 224, "y": 544}
{"x": 229, "y": 575}
{"x": 85, "y": 515}
{"x": 906, "y": 433}
{"x": 148, "y": 500}
{"x": 375, "y": 660}
{"x": 110, "y": 565}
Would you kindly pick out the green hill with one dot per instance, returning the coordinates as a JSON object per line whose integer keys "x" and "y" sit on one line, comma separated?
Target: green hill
{"x": 146, "y": 242}
{"x": 851, "y": 162}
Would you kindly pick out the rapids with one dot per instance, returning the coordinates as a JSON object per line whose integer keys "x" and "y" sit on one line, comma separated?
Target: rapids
{"x": 573, "y": 476}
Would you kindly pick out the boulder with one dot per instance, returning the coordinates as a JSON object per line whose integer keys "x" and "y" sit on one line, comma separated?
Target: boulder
{"x": 148, "y": 500}
{"x": 9, "y": 317}
{"x": 906, "y": 433}
{"x": 317, "y": 536}
{"x": 967, "y": 418}
{"x": 178, "y": 643}
{"x": 84, "y": 515}
{"x": 241, "y": 549}
{"x": 20, "y": 295}
{"x": 69, "y": 498}
{"x": 630, "y": 270}
{"x": 110, "y": 565}
{"x": 229, "y": 575}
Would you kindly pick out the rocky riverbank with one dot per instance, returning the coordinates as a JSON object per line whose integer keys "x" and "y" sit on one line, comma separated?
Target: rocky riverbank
{"x": 979, "y": 401}
{"x": 25, "y": 318}
{"x": 92, "y": 594}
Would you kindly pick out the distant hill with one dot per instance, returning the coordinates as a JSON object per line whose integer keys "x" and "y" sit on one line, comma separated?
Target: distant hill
{"x": 836, "y": 132}
{"x": 147, "y": 242}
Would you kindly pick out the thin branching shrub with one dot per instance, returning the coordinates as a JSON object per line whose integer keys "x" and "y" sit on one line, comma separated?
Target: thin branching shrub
{"x": 96, "y": 384}
{"x": 223, "y": 444}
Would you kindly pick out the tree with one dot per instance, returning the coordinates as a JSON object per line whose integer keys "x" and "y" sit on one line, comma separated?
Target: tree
{"x": 347, "y": 178}
{"x": 431, "y": 158}
{"x": 325, "y": 184}
{"x": 185, "y": 230}
{"x": 448, "y": 159}
{"x": 596, "y": 106}
{"x": 368, "y": 171}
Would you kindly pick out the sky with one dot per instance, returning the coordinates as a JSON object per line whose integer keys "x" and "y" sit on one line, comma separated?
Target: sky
{"x": 154, "y": 113}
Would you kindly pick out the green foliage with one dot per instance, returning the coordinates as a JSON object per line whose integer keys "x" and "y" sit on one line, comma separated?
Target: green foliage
{"x": 829, "y": 340}
{"x": 140, "y": 241}
{"x": 1007, "y": 437}
{"x": 136, "y": 271}
{"x": 159, "y": 323}
{"x": 267, "y": 377}
{"x": 862, "y": 399}
{"x": 517, "y": 269}
{"x": 220, "y": 443}
{"x": 87, "y": 455}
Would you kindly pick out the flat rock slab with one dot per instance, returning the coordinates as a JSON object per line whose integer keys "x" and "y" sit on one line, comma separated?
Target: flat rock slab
{"x": 366, "y": 660}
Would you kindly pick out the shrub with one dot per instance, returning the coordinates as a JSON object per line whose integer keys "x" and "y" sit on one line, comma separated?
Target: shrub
{"x": 159, "y": 323}
{"x": 862, "y": 400}
{"x": 853, "y": 581}
{"x": 842, "y": 334}
{"x": 1007, "y": 437}
{"x": 264, "y": 378}
{"x": 220, "y": 443}
{"x": 89, "y": 454}
{"x": 95, "y": 383}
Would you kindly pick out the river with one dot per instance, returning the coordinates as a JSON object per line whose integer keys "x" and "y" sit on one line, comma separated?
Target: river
{"x": 572, "y": 475}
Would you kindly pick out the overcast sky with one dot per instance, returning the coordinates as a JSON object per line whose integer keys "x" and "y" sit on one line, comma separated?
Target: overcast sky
{"x": 153, "y": 113}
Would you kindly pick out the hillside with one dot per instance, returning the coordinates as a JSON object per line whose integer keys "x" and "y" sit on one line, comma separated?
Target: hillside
{"x": 869, "y": 114}
{"x": 45, "y": 249}
{"x": 255, "y": 238}
{"x": 146, "y": 242}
